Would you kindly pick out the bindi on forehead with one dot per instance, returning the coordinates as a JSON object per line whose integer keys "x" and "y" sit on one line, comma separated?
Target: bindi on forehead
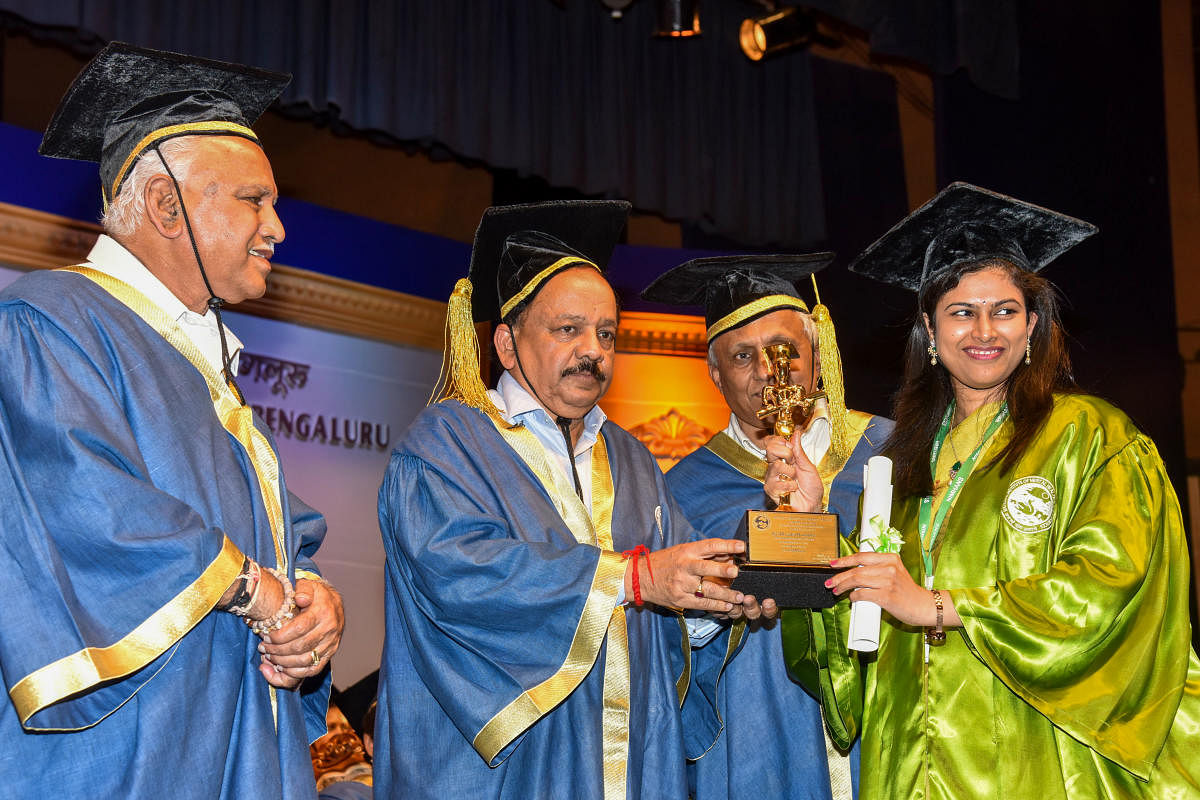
{"x": 982, "y": 302}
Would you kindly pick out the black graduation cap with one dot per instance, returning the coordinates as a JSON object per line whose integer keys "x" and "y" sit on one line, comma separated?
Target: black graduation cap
{"x": 968, "y": 224}
{"x": 518, "y": 248}
{"x": 128, "y": 99}
{"x": 736, "y": 289}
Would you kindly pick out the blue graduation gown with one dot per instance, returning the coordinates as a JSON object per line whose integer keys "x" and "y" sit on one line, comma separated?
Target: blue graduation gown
{"x": 486, "y": 587}
{"x": 772, "y": 747}
{"x": 123, "y": 507}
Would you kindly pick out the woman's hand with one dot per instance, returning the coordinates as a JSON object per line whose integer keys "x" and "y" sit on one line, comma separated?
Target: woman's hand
{"x": 882, "y": 579}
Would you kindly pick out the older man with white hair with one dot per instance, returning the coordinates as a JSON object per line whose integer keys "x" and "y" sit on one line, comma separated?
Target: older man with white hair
{"x": 751, "y": 302}
{"x": 162, "y": 607}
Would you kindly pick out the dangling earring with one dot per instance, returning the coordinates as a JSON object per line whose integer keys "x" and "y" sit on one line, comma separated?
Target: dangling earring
{"x": 932, "y": 350}
{"x": 1027, "y": 360}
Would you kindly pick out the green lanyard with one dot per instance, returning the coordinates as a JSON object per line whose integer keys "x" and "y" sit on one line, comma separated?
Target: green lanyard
{"x": 929, "y": 534}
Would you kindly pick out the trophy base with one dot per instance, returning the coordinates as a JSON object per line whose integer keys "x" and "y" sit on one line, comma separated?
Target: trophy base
{"x": 788, "y": 555}
{"x": 789, "y": 587}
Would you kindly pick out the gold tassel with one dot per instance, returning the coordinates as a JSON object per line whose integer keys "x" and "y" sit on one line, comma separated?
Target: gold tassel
{"x": 459, "y": 376}
{"x": 831, "y": 377}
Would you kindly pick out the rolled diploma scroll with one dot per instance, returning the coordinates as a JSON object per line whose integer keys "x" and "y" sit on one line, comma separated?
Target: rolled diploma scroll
{"x": 876, "y": 502}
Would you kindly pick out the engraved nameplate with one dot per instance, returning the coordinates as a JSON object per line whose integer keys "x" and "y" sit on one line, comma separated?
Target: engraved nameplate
{"x": 790, "y": 538}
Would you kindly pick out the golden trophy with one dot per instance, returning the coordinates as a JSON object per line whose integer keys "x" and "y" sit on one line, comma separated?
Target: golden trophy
{"x": 787, "y": 551}
{"x": 790, "y": 404}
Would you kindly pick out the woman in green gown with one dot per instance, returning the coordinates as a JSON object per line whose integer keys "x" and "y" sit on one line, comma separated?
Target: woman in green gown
{"x": 1036, "y": 636}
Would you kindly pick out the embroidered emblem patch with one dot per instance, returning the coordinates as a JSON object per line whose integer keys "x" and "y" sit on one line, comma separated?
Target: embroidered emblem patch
{"x": 1029, "y": 504}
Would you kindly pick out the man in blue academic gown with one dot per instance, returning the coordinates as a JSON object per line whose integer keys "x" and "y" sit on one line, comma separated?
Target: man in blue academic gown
{"x": 774, "y": 746}
{"x": 534, "y": 555}
{"x": 147, "y": 534}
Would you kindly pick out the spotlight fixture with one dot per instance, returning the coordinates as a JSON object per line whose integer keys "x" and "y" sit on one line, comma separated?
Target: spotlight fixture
{"x": 616, "y": 8}
{"x": 678, "y": 19}
{"x": 784, "y": 29}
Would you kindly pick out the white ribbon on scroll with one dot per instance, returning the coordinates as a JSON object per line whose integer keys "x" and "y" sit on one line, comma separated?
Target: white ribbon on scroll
{"x": 876, "y": 513}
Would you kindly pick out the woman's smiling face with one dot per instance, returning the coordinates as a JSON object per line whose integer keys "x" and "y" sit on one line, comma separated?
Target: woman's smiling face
{"x": 980, "y": 328}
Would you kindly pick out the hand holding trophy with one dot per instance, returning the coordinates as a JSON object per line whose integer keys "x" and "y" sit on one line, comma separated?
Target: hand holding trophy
{"x": 787, "y": 551}
{"x": 787, "y": 401}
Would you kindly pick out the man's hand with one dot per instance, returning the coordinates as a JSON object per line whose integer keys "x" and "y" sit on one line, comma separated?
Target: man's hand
{"x": 756, "y": 615}
{"x": 789, "y": 470}
{"x": 316, "y": 629}
{"x": 683, "y": 570}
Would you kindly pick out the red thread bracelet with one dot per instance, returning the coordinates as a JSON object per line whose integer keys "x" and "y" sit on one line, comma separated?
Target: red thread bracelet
{"x": 640, "y": 550}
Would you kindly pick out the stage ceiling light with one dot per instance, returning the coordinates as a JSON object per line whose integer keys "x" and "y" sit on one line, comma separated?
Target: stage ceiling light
{"x": 616, "y": 8}
{"x": 784, "y": 29}
{"x": 678, "y": 18}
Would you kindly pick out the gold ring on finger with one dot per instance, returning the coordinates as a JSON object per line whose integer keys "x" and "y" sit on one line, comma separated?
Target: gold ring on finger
{"x": 316, "y": 658}
{"x": 700, "y": 587}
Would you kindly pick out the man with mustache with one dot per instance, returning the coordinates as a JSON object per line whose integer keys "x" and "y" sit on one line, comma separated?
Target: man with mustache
{"x": 536, "y": 562}
{"x": 586, "y": 365}
{"x": 161, "y": 605}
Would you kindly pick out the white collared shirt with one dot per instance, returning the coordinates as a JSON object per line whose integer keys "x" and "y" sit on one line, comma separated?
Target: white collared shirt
{"x": 518, "y": 405}
{"x": 814, "y": 441}
{"x": 111, "y": 258}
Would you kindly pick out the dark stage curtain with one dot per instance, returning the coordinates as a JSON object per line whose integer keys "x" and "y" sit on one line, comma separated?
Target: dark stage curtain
{"x": 945, "y": 35}
{"x": 689, "y": 129}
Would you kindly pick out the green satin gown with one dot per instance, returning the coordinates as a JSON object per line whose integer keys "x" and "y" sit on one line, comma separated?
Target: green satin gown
{"x": 1073, "y": 674}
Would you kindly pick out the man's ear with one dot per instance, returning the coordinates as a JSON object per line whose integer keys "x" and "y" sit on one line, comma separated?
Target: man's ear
{"x": 506, "y": 347}
{"x": 714, "y": 372}
{"x": 162, "y": 207}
